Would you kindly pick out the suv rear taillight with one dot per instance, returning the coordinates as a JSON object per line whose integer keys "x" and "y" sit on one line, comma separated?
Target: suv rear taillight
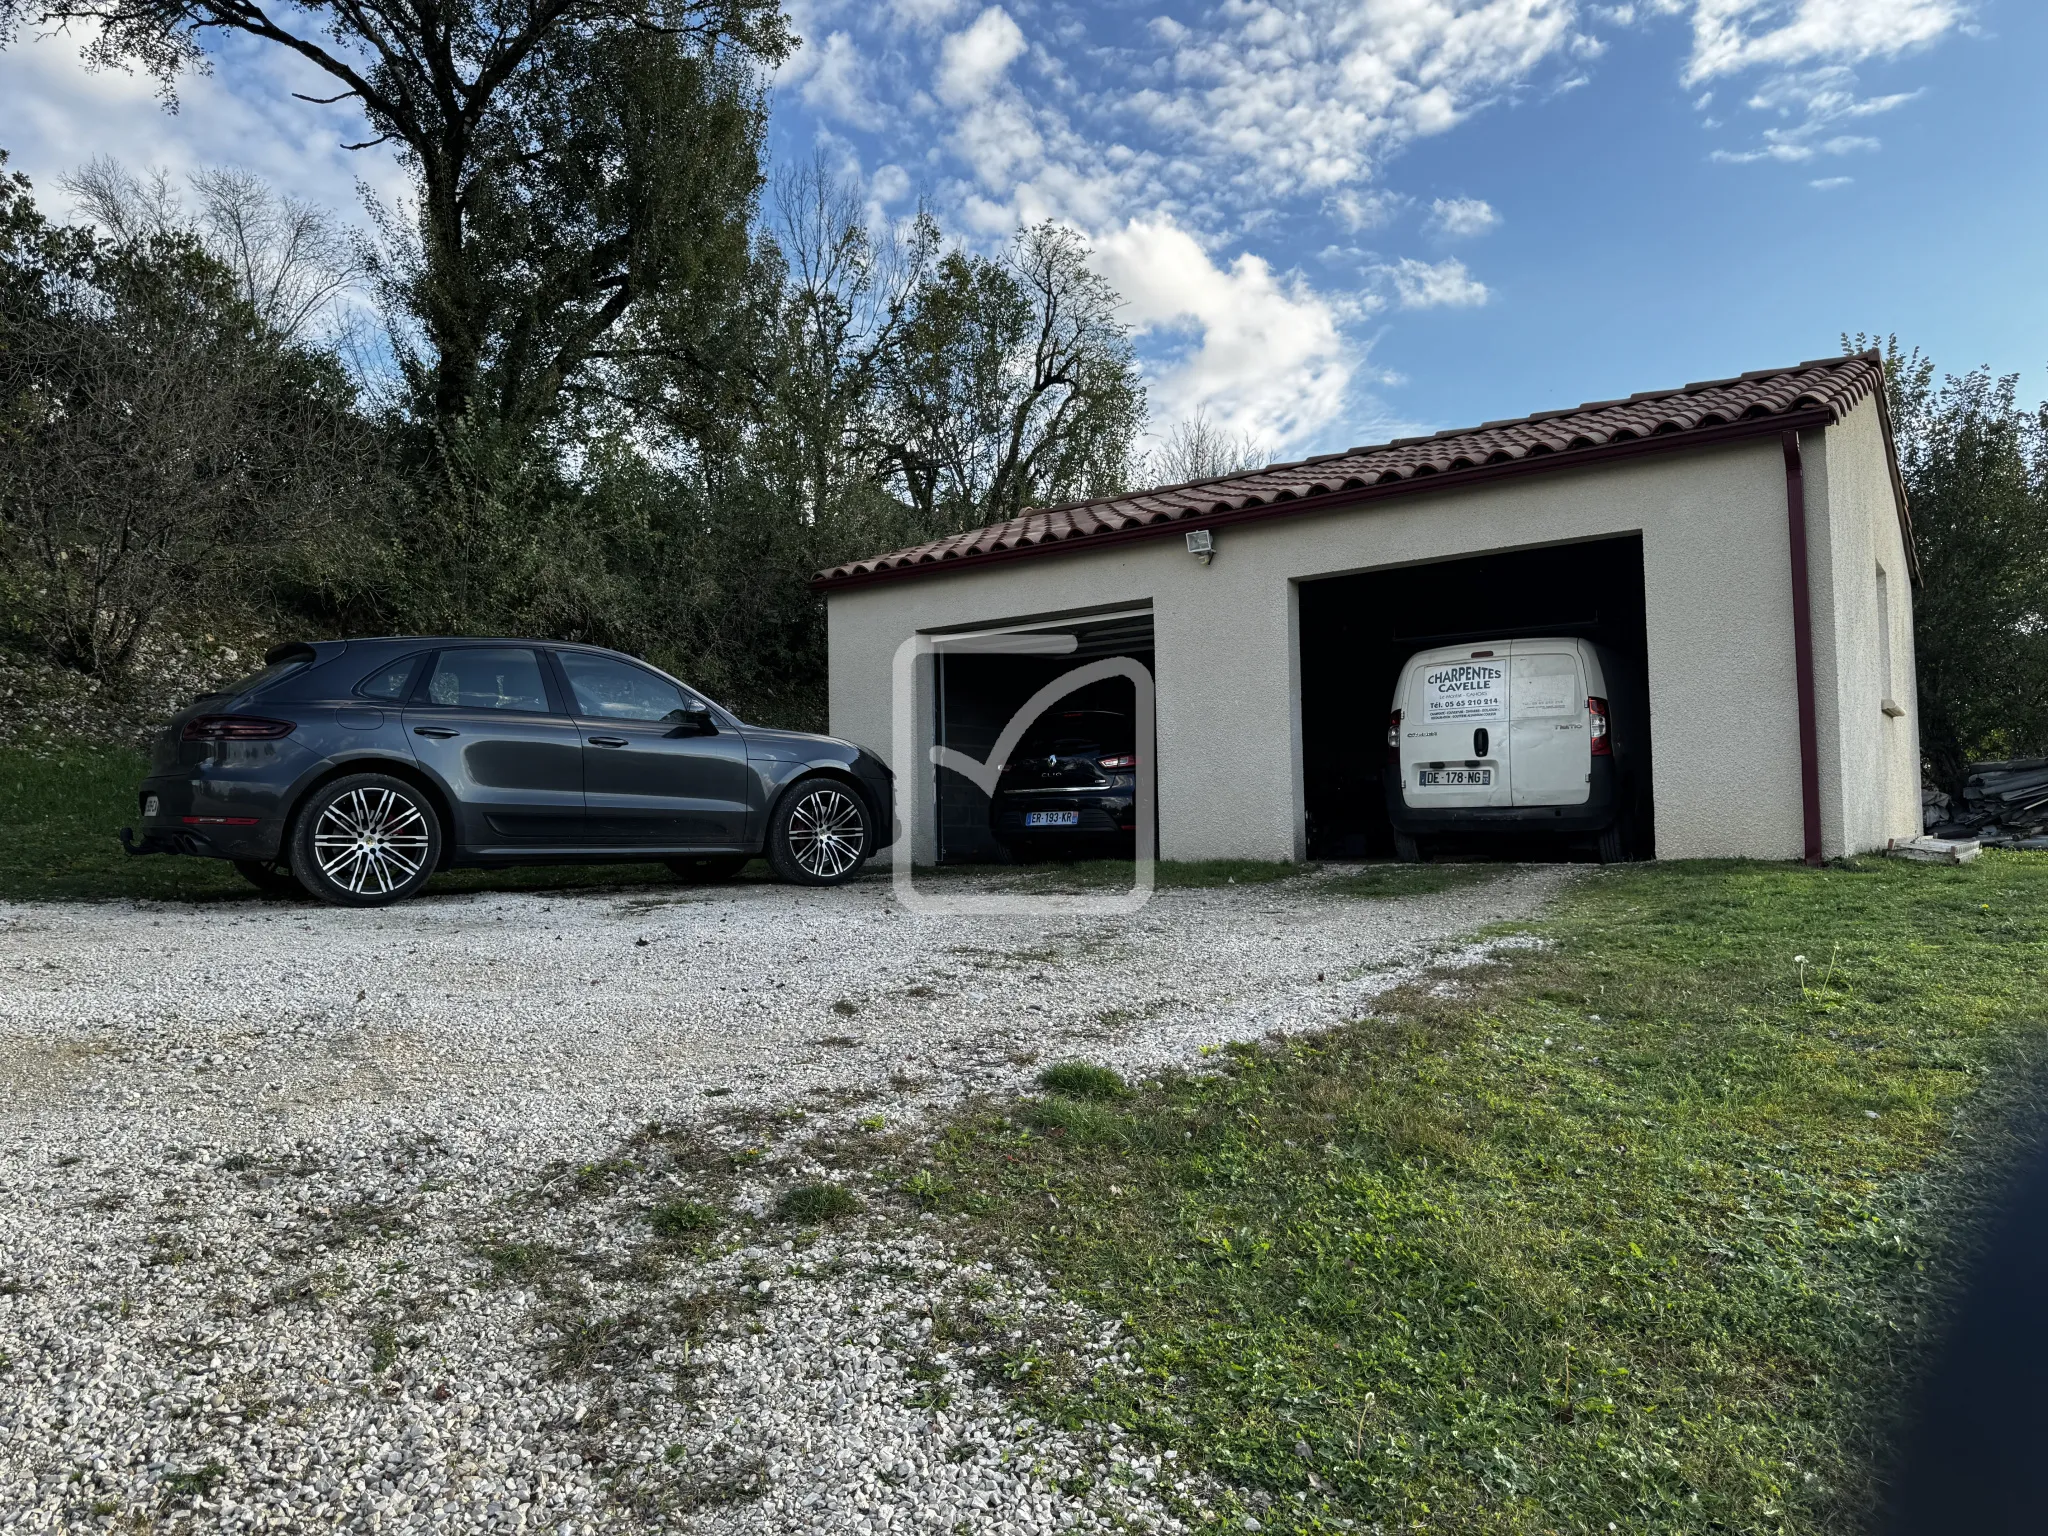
{"x": 1394, "y": 737}
{"x": 1603, "y": 744}
{"x": 236, "y": 728}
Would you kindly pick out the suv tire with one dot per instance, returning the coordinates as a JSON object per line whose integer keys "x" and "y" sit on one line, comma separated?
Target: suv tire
{"x": 820, "y": 832}
{"x": 1407, "y": 849}
{"x": 366, "y": 841}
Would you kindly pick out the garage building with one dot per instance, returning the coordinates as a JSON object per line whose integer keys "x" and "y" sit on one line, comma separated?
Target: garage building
{"x": 1744, "y": 541}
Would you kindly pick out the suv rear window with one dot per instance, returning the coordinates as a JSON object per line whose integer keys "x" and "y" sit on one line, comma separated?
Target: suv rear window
{"x": 269, "y": 677}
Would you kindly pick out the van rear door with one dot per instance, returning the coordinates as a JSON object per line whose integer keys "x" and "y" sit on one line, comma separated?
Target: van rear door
{"x": 1455, "y": 750}
{"x": 1551, "y": 744}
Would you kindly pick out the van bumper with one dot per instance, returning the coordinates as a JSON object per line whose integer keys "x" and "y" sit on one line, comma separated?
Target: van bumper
{"x": 1599, "y": 811}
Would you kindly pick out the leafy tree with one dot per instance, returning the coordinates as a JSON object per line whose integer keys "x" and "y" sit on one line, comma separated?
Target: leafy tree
{"x": 571, "y": 159}
{"x": 1975, "y": 465}
{"x": 161, "y": 448}
{"x": 1012, "y": 384}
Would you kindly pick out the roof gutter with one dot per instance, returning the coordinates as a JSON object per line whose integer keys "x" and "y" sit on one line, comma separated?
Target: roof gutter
{"x": 1802, "y": 645}
{"x": 1338, "y": 501}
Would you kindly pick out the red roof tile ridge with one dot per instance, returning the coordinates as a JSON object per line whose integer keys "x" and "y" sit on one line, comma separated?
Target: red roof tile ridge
{"x": 1835, "y": 384}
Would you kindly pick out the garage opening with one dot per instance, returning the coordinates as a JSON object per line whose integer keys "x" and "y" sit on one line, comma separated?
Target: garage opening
{"x": 976, "y": 696}
{"x": 1358, "y": 631}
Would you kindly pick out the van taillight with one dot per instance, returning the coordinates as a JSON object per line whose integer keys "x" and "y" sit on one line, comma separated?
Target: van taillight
{"x": 235, "y": 728}
{"x": 1394, "y": 737}
{"x": 1603, "y": 744}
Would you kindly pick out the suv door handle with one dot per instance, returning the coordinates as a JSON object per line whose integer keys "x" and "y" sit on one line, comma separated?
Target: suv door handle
{"x": 434, "y": 730}
{"x": 607, "y": 741}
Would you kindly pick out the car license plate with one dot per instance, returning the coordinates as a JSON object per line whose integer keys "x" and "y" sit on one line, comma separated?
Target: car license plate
{"x": 1052, "y": 818}
{"x": 1429, "y": 777}
{"x": 149, "y": 806}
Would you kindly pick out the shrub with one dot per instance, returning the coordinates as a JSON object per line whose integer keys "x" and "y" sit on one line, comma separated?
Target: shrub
{"x": 683, "y": 1218}
{"x": 817, "y": 1202}
{"x": 1083, "y": 1080}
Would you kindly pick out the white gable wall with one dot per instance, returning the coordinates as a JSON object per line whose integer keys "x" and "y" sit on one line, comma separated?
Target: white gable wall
{"x": 1870, "y": 762}
{"x": 1718, "y": 591}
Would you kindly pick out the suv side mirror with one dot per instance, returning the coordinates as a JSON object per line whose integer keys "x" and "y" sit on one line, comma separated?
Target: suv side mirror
{"x": 693, "y": 719}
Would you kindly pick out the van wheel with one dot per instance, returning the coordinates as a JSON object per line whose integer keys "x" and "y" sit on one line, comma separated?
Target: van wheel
{"x": 366, "y": 841}
{"x": 819, "y": 833}
{"x": 1613, "y": 847}
{"x": 712, "y": 870}
{"x": 1407, "y": 849}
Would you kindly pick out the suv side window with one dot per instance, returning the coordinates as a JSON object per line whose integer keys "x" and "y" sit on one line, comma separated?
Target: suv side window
{"x": 488, "y": 677}
{"x": 391, "y": 683}
{"x": 604, "y": 689}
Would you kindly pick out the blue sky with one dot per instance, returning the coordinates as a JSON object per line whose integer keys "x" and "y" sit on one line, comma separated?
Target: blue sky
{"x": 1337, "y": 221}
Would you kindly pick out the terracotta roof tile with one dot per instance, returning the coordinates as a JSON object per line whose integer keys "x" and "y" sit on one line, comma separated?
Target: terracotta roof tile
{"x": 1832, "y": 386}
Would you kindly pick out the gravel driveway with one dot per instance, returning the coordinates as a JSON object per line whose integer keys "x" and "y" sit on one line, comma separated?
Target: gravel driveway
{"x": 313, "y": 1219}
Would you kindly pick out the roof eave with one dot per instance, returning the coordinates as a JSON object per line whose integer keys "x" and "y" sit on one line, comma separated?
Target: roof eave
{"x": 1337, "y": 501}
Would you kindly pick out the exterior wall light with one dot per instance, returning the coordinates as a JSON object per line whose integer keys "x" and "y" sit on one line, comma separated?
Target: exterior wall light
{"x": 1202, "y": 545}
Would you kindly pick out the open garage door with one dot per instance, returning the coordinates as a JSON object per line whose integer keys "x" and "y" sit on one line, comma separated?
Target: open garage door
{"x": 1358, "y": 631}
{"x": 977, "y": 695}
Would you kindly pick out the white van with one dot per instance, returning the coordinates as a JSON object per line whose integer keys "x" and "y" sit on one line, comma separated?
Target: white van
{"x": 1514, "y": 736}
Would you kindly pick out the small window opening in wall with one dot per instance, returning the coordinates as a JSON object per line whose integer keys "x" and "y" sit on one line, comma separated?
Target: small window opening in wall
{"x": 1884, "y": 647}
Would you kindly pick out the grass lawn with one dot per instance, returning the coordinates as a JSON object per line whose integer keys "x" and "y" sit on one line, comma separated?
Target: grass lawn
{"x": 1638, "y": 1231}
{"x": 61, "y": 808}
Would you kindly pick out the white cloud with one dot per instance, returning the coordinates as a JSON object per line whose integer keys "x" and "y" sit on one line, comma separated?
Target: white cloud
{"x": 1811, "y": 48}
{"x": 834, "y": 79}
{"x": 972, "y": 62}
{"x": 1359, "y": 210}
{"x": 1261, "y": 354}
{"x": 923, "y": 14}
{"x": 1314, "y": 95}
{"x": 1730, "y": 36}
{"x": 60, "y": 114}
{"x": 889, "y": 184}
{"x": 1460, "y": 218}
{"x": 1433, "y": 285}
{"x": 1829, "y": 183}
{"x": 1818, "y": 99}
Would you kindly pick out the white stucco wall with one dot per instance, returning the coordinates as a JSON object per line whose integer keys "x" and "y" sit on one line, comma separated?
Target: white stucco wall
{"x": 1870, "y": 761}
{"x": 1718, "y": 593}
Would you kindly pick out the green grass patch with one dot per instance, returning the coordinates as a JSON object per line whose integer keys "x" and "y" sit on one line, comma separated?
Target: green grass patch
{"x": 812, "y": 1203}
{"x": 1373, "y": 881}
{"x": 1083, "y": 1080}
{"x": 62, "y": 808}
{"x": 680, "y": 1219}
{"x": 1639, "y": 1231}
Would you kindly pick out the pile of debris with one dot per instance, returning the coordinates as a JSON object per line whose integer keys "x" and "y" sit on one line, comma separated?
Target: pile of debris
{"x": 2004, "y": 805}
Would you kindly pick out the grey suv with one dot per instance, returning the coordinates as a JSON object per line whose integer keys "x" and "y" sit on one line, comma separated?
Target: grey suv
{"x": 357, "y": 768}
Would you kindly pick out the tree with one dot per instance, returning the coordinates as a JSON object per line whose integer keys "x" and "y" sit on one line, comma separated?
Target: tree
{"x": 291, "y": 260}
{"x": 161, "y": 448}
{"x": 1012, "y": 384}
{"x": 571, "y": 159}
{"x": 1975, "y": 465}
{"x": 1197, "y": 449}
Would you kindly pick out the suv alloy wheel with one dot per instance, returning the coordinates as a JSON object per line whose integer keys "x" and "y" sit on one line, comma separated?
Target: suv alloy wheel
{"x": 365, "y": 841}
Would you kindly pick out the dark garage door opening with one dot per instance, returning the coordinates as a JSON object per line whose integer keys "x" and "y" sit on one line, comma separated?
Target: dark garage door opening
{"x": 977, "y": 695}
{"x": 1358, "y": 631}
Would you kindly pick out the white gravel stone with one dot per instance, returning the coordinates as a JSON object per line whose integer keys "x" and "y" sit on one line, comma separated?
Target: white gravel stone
{"x": 250, "y": 1155}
